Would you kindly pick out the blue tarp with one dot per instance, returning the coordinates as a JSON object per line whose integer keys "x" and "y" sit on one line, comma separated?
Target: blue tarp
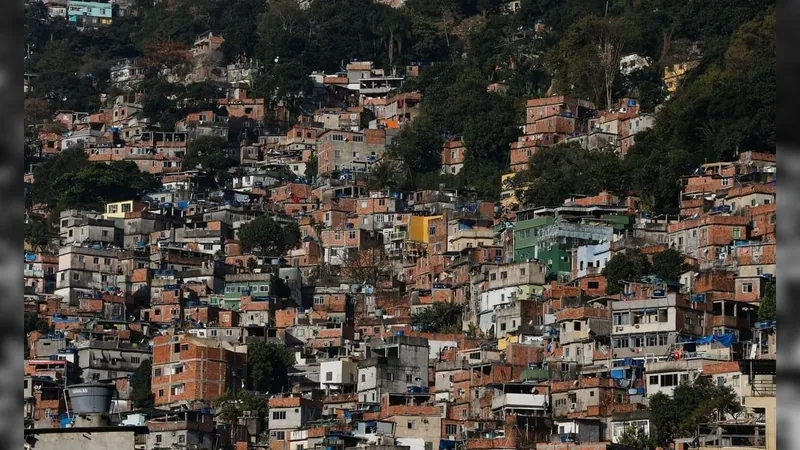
{"x": 618, "y": 373}
{"x": 445, "y": 444}
{"x": 726, "y": 339}
{"x": 183, "y": 205}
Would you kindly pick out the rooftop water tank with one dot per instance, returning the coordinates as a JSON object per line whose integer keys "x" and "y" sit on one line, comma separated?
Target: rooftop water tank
{"x": 91, "y": 398}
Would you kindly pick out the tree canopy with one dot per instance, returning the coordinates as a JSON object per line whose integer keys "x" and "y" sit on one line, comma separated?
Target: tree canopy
{"x": 209, "y": 153}
{"x": 668, "y": 265}
{"x": 141, "y": 392}
{"x": 694, "y": 403}
{"x": 443, "y": 317}
{"x": 68, "y": 180}
{"x": 268, "y": 237}
{"x": 267, "y": 367}
{"x": 767, "y": 309}
{"x": 629, "y": 266}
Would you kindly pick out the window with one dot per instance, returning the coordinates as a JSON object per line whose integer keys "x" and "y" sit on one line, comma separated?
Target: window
{"x": 278, "y": 415}
{"x": 328, "y": 376}
{"x": 352, "y": 234}
{"x": 450, "y": 429}
{"x": 663, "y": 339}
{"x": 177, "y": 389}
{"x": 177, "y": 370}
{"x": 737, "y": 233}
{"x": 431, "y": 231}
{"x": 107, "y": 261}
{"x": 95, "y": 260}
{"x": 158, "y": 438}
{"x": 576, "y": 326}
{"x": 409, "y": 378}
{"x": 621, "y": 343}
{"x": 747, "y": 288}
{"x": 669, "y": 380}
{"x": 280, "y": 435}
{"x": 76, "y": 276}
{"x": 653, "y": 379}
{"x": 412, "y": 424}
{"x": 593, "y": 285}
{"x": 136, "y": 360}
{"x": 182, "y": 438}
{"x": 503, "y": 275}
{"x": 184, "y": 347}
{"x": 363, "y": 377}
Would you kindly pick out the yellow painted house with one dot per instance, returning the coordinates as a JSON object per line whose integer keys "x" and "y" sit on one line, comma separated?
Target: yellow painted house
{"x": 117, "y": 210}
{"x": 503, "y": 342}
{"x": 508, "y": 196}
{"x": 674, "y": 74}
{"x": 419, "y": 228}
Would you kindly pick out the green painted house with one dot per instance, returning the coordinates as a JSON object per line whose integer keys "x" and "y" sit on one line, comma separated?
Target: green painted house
{"x": 550, "y": 234}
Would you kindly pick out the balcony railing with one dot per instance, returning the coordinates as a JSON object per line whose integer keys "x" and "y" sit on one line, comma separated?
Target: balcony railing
{"x": 526, "y": 401}
{"x": 398, "y": 236}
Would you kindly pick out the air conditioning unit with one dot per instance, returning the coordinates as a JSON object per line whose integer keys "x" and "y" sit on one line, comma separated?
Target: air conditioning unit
{"x": 573, "y": 407}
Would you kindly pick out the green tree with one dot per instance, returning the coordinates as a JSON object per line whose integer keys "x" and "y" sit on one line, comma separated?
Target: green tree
{"x": 691, "y": 404}
{"x": 32, "y": 323}
{"x": 141, "y": 386}
{"x": 268, "y": 237}
{"x": 311, "y": 168}
{"x": 444, "y": 317}
{"x": 67, "y": 161}
{"x": 586, "y": 61}
{"x": 384, "y": 175}
{"x": 558, "y": 172}
{"x": 92, "y": 186}
{"x": 38, "y": 234}
{"x": 629, "y": 266}
{"x": 233, "y": 405}
{"x": 668, "y": 265}
{"x": 636, "y": 437}
{"x": 767, "y": 309}
{"x": 267, "y": 367}
{"x": 209, "y": 153}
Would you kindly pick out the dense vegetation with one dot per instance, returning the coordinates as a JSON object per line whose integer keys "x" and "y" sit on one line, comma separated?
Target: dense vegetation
{"x": 267, "y": 237}
{"x": 442, "y": 317}
{"x": 726, "y": 104}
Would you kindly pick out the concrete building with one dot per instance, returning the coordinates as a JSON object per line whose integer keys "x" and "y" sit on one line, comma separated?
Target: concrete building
{"x": 76, "y": 227}
{"x": 338, "y": 376}
{"x": 109, "y": 359}
{"x": 288, "y": 414}
{"x": 647, "y": 325}
{"x": 85, "y": 270}
{"x": 391, "y": 366}
{"x": 185, "y": 429}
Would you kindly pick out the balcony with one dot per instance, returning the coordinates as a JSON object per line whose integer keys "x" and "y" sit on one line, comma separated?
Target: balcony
{"x": 398, "y": 236}
{"x": 519, "y": 401}
{"x": 201, "y": 233}
{"x": 35, "y": 273}
{"x": 730, "y": 322}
